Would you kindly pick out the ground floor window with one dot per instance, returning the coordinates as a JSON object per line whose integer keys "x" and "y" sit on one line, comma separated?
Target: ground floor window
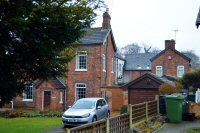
{"x": 28, "y": 93}
{"x": 80, "y": 90}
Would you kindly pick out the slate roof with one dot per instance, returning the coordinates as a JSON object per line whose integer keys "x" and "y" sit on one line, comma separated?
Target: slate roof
{"x": 140, "y": 61}
{"x": 58, "y": 83}
{"x": 177, "y": 52}
{"x": 97, "y": 36}
{"x": 198, "y": 19}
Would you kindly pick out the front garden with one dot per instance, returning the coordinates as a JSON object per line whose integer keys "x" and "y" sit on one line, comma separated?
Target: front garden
{"x": 28, "y": 125}
{"x": 22, "y": 121}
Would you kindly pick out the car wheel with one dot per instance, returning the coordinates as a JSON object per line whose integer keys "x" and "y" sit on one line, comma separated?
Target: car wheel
{"x": 108, "y": 114}
{"x": 94, "y": 119}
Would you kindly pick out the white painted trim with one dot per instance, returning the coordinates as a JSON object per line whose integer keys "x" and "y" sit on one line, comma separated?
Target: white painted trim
{"x": 81, "y": 70}
{"x": 42, "y": 100}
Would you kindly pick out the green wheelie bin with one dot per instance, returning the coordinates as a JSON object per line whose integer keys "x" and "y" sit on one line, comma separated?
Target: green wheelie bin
{"x": 174, "y": 109}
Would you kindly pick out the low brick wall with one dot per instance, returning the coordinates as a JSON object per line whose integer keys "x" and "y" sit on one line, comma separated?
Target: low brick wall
{"x": 116, "y": 97}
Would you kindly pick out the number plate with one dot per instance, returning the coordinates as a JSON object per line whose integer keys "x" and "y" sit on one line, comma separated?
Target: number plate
{"x": 72, "y": 120}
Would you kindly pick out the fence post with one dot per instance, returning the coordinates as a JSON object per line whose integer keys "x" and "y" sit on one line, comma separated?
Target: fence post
{"x": 107, "y": 125}
{"x": 146, "y": 111}
{"x": 158, "y": 103}
{"x": 68, "y": 130}
{"x": 130, "y": 115}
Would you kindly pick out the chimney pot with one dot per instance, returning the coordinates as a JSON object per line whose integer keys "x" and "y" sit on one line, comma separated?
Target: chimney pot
{"x": 106, "y": 20}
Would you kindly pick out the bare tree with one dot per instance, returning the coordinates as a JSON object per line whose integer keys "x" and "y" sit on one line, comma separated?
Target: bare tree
{"x": 195, "y": 60}
{"x": 131, "y": 49}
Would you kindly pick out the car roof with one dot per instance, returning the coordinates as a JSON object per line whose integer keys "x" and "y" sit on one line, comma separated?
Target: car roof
{"x": 91, "y": 98}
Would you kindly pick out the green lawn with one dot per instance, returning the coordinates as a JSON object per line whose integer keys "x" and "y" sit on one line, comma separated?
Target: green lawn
{"x": 193, "y": 131}
{"x": 28, "y": 125}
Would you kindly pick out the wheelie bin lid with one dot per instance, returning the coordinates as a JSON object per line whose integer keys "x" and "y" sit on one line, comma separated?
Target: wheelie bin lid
{"x": 174, "y": 97}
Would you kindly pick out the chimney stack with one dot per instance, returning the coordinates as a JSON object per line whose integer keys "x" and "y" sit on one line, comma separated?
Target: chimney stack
{"x": 170, "y": 44}
{"x": 106, "y": 20}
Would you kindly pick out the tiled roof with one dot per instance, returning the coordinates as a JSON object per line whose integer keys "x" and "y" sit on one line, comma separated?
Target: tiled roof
{"x": 140, "y": 61}
{"x": 198, "y": 19}
{"x": 95, "y": 36}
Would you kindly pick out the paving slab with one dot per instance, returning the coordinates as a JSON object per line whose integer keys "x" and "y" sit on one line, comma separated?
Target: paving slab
{"x": 179, "y": 127}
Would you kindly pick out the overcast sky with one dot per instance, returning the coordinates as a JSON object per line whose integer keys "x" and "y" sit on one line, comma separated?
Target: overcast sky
{"x": 153, "y": 21}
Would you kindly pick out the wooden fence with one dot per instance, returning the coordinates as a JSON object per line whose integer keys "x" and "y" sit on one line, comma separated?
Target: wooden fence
{"x": 121, "y": 124}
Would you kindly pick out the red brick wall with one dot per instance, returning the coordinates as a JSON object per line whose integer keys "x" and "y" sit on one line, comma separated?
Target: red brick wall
{"x": 170, "y": 65}
{"x": 116, "y": 97}
{"x": 137, "y": 74}
{"x": 94, "y": 77}
{"x": 108, "y": 78}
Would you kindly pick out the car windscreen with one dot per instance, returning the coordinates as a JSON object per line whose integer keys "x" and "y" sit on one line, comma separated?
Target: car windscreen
{"x": 84, "y": 104}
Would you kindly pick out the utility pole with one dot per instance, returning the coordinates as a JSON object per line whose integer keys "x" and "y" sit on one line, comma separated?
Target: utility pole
{"x": 175, "y": 31}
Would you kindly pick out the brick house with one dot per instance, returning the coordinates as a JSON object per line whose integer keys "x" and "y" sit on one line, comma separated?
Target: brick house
{"x": 94, "y": 64}
{"x": 169, "y": 62}
{"x": 93, "y": 67}
{"x": 198, "y": 19}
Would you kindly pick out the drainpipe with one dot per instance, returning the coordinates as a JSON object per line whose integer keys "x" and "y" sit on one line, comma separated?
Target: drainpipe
{"x": 66, "y": 87}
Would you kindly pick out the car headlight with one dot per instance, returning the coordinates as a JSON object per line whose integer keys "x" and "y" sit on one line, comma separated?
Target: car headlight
{"x": 86, "y": 115}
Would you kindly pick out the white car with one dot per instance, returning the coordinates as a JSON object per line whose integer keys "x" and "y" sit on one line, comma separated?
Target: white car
{"x": 86, "y": 110}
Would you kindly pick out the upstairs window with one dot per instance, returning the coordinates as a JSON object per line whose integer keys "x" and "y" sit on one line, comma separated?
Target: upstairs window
{"x": 180, "y": 71}
{"x": 80, "y": 90}
{"x": 81, "y": 61}
{"x": 28, "y": 93}
{"x": 159, "y": 71}
{"x": 104, "y": 62}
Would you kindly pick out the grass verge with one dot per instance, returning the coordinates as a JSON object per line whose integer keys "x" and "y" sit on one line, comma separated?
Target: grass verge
{"x": 28, "y": 125}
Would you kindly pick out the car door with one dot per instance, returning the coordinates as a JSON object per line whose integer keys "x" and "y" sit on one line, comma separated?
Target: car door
{"x": 99, "y": 112}
{"x": 104, "y": 108}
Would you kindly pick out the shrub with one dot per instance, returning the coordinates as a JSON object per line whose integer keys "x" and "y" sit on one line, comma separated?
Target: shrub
{"x": 124, "y": 109}
{"x": 169, "y": 89}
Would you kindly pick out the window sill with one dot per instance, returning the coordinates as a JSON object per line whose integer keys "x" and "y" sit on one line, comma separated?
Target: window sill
{"x": 80, "y": 70}
{"x": 27, "y": 100}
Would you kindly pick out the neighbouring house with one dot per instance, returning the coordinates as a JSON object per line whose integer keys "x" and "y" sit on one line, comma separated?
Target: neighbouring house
{"x": 144, "y": 88}
{"x": 93, "y": 67}
{"x": 198, "y": 19}
{"x": 137, "y": 65}
{"x": 169, "y": 62}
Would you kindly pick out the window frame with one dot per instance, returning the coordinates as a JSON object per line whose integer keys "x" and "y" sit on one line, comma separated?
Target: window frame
{"x": 113, "y": 65}
{"x": 178, "y": 69}
{"x": 104, "y": 62}
{"x": 78, "y": 55}
{"x": 25, "y": 96}
{"x": 159, "y": 70}
{"x": 76, "y": 92}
